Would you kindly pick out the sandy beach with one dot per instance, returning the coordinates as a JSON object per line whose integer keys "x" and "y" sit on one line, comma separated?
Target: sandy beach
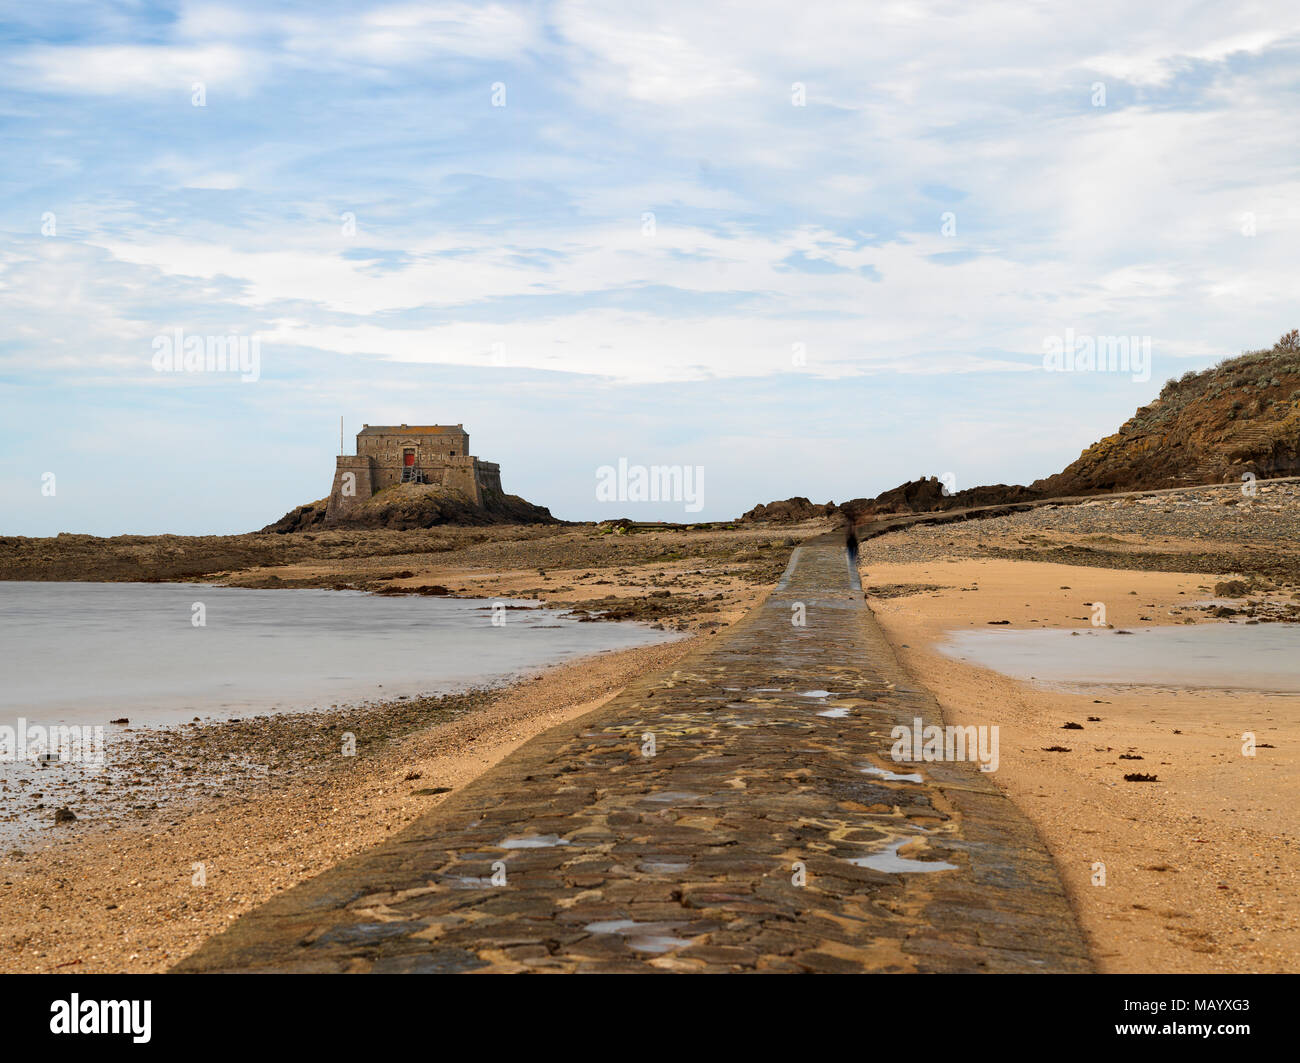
{"x": 265, "y": 802}
{"x": 1201, "y": 867}
{"x": 126, "y": 896}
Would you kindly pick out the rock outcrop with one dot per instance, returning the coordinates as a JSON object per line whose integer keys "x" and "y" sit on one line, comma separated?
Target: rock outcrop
{"x": 1242, "y": 416}
{"x": 404, "y": 506}
{"x": 915, "y": 496}
{"x": 930, "y": 494}
{"x": 790, "y": 511}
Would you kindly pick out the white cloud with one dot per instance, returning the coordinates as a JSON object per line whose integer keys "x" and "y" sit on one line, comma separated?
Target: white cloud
{"x": 236, "y": 51}
{"x": 1121, "y": 219}
{"x": 128, "y": 69}
{"x": 409, "y": 33}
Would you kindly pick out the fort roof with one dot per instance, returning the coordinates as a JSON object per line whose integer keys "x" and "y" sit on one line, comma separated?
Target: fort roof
{"x": 411, "y": 429}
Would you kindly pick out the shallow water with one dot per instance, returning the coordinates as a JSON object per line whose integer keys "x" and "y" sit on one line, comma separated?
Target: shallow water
{"x": 891, "y": 776}
{"x": 643, "y": 937}
{"x": 1258, "y": 657}
{"x": 534, "y": 841}
{"x": 890, "y": 862}
{"x": 85, "y": 653}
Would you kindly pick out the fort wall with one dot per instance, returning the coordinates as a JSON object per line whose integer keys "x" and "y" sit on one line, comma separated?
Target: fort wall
{"x": 353, "y": 484}
{"x": 438, "y": 454}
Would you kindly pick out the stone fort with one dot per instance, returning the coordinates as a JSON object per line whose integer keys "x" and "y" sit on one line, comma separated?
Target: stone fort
{"x": 433, "y": 454}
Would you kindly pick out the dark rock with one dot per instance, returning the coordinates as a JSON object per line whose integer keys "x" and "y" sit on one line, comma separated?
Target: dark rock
{"x": 790, "y": 511}
{"x": 406, "y": 506}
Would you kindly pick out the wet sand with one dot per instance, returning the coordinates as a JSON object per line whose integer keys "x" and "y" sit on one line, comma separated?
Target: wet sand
{"x": 124, "y": 896}
{"x": 263, "y": 803}
{"x": 1202, "y": 867}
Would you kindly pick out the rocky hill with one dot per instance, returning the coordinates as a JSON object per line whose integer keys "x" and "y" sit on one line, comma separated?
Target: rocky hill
{"x": 1241, "y": 416}
{"x": 405, "y": 506}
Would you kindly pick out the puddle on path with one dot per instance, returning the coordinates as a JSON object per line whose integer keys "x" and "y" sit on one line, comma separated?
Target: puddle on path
{"x": 652, "y": 866}
{"x": 658, "y": 943}
{"x": 644, "y": 937}
{"x": 891, "y": 776}
{"x": 535, "y": 841}
{"x": 890, "y": 862}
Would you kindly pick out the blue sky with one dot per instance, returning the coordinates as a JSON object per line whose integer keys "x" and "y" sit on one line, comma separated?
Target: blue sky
{"x": 504, "y": 273}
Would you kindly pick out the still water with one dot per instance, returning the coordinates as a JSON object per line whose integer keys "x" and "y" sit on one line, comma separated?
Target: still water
{"x": 1261, "y": 657}
{"x": 85, "y": 653}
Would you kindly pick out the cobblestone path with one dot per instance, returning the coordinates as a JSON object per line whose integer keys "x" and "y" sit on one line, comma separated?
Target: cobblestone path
{"x": 738, "y": 812}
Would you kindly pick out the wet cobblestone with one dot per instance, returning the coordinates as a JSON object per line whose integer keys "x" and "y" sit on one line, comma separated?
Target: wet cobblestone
{"x": 667, "y": 831}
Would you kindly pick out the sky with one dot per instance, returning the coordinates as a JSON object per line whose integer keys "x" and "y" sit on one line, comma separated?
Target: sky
{"x": 808, "y": 250}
